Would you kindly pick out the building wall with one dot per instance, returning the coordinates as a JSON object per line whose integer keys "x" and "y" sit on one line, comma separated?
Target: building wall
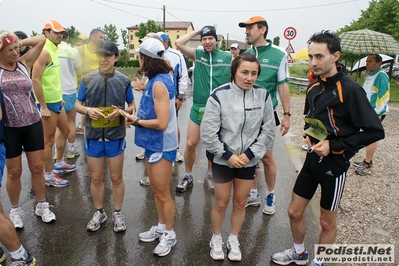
{"x": 173, "y": 33}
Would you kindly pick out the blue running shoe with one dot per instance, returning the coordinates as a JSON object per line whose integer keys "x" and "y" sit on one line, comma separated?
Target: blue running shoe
{"x": 56, "y": 181}
{"x": 65, "y": 168}
{"x": 269, "y": 207}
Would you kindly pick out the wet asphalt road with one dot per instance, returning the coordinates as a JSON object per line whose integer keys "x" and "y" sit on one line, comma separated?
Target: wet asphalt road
{"x": 66, "y": 241}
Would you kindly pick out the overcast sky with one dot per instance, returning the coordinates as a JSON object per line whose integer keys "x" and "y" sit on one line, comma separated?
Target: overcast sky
{"x": 306, "y": 16}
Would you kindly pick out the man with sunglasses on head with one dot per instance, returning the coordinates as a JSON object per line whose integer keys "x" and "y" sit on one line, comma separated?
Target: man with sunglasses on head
{"x": 349, "y": 122}
{"x": 274, "y": 77}
{"x": 46, "y": 77}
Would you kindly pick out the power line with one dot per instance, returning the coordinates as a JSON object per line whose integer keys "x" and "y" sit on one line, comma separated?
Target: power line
{"x": 238, "y": 11}
{"x": 123, "y": 11}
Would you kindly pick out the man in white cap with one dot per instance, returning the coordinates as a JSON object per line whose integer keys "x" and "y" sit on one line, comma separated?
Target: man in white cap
{"x": 235, "y": 50}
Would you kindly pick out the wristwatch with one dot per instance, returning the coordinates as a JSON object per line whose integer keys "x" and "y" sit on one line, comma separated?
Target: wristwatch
{"x": 287, "y": 113}
{"x": 180, "y": 99}
{"x": 136, "y": 123}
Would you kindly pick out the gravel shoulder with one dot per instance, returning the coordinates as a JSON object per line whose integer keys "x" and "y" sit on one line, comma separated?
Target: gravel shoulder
{"x": 369, "y": 212}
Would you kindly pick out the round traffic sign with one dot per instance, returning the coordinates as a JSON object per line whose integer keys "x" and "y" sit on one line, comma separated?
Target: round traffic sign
{"x": 290, "y": 33}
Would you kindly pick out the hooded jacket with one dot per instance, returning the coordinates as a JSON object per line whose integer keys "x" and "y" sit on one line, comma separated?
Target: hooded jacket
{"x": 238, "y": 121}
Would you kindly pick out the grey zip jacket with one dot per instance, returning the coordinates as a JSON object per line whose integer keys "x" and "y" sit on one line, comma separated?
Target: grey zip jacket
{"x": 238, "y": 121}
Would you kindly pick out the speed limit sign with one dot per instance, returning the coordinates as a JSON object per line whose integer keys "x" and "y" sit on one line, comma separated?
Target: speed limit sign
{"x": 290, "y": 33}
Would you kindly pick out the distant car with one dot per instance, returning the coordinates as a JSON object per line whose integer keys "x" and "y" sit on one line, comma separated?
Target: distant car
{"x": 395, "y": 69}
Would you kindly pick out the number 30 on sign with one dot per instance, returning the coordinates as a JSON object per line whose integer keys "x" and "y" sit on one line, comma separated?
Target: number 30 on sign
{"x": 290, "y": 33}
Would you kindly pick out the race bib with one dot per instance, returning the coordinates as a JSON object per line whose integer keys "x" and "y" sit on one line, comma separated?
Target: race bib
{"x": 102, "y": 122}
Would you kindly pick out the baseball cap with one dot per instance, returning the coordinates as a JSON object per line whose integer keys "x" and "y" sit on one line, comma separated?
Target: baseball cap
{"x": 53, "y": 25}
{"x": 163, "y": 36}
{"x": 153, "y": 48}
{"x": 209, "y": 31}
{"x": 151, "y": 35}
{"x": 108, "y": 48}
{"x": 253, "y": 20}
{"x": 235, "y": 45}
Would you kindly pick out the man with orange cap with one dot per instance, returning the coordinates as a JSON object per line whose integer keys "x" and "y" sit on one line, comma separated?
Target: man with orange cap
{"x": 274, "y": 77}
{"x": 46, "y": 77}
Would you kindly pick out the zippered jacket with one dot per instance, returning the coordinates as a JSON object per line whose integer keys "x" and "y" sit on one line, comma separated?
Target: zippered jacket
{"x": 104, "y": 90}
{"x": 341, "y": 105}
{"x": 211, "y": 71}
{"x": 238, "y": 121}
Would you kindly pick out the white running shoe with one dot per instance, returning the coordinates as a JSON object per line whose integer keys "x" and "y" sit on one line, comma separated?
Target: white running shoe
{"x": 140, "y": 155}
{"x": 151, "y": 235}
{"x": 43, "y": 210}
{"x": 216, "y": 245}
{"x": 166, "y": 243}
{"x": 234, "y": 249}
{"x": 119, "y": 222}
{"x": 16, "y": 216}
{"x": 95, "y": 222}
{"x": 179, "y": 156}
{"x": 145, "y": 181}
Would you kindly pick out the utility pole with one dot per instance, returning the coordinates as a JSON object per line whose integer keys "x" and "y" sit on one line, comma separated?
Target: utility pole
{"x": 164, "y": 22}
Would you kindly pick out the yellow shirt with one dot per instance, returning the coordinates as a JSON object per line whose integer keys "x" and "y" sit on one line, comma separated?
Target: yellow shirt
{"x": 89, "y": 60}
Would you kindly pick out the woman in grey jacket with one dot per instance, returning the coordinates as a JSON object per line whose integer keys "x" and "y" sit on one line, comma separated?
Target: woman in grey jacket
{"x": 237, "y": 129}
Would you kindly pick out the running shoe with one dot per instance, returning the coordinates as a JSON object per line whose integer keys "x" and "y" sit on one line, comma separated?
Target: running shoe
{"x": 216, "y": 245}
{"x": 140, "y": 155}
{"x": 253, "y": 201}
{"x": 65, "y": 168}
{"x": 119, "y": 222}
{"x": 95, "y": 222}
{"x": 145, "y": 181}
{"x": 208, "y": 182}
{"x": 289, "y": 256}
{"x": 151, "y": 235}
{"x": 16, "y": 216}
{"x": 31, "y": 261}
{"x": 358, "y": 164}
{"x": 269, "y": 207}
{"x": 165, "y": 245}
{"x": 234, "y": 249}
{"x": 2, "y": 255}
{"x": 179, "y": 156}
{"x": 363, "y": 170}
{"x": 56, "y": 181}
{"x": 43, "y": 210}
{"x": 80, "y": 130}
{"x": 72, "y": 153}
{"x": 185, "y": 182}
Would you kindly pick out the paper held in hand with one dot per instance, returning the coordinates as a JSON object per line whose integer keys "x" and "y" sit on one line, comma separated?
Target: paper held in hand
{"x": 316, "y": 128}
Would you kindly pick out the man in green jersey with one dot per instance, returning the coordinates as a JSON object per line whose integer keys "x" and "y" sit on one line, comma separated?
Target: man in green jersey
{"x": 274, "y": 77}
{"x": 212, "y": 69}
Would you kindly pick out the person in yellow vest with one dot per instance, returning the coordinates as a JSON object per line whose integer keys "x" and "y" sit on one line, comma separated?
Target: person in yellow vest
{"x": 88, "y": 54}
{"x": 46, "y": 77}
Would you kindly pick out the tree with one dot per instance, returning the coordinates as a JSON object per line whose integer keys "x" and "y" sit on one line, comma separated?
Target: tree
{"x": 276, "y": 41}
{"x": 381, "y": 16}
{"x": 34, "y": 33}
{"x": 223, "y": 46}
{"x": 73, "y": 35}
{"x": 110, "y": 33}
{"x": 150, "y": 26}
{"x": 125, "y": 40}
